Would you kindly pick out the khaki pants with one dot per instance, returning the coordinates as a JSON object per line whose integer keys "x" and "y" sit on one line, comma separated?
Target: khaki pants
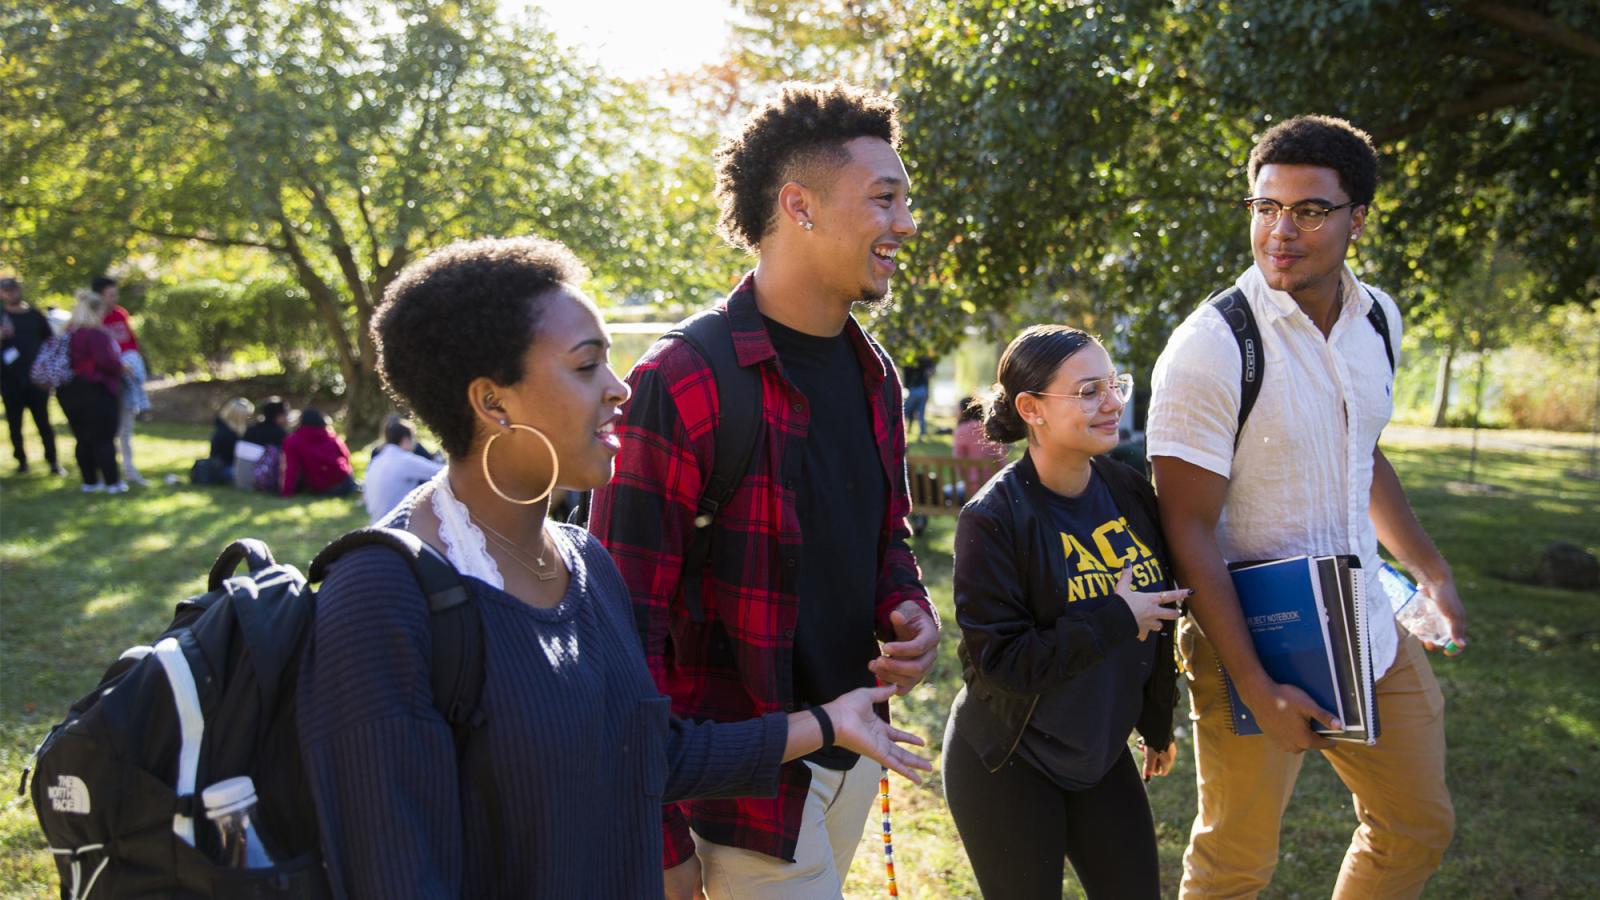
{"x": 1245, "y": 783}
{"x": 830, "y": 828}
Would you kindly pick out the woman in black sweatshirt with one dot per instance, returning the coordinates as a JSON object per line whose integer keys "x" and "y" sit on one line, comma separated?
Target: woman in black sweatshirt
{"x": 1061, "y": 588}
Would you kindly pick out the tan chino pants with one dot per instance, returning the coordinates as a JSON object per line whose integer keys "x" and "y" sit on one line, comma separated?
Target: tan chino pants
{"x": 1398, "y": 787}
{"x": 835, "y": 814}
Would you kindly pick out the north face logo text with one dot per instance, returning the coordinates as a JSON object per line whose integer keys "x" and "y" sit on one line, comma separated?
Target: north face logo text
{"x": 69, "y": 795}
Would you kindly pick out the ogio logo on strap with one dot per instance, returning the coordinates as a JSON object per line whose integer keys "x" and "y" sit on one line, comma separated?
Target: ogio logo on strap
{"x": 69, "y": 795}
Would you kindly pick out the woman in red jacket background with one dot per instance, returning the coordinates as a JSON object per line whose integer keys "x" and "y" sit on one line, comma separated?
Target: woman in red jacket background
{"x": 316, "y": 458}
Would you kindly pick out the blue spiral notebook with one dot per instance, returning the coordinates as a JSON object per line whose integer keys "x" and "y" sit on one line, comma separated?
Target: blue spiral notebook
{"x": 1308, "y": 623}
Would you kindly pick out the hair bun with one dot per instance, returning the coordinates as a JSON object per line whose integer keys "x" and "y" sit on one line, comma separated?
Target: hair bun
{"x": 1001, "y": 423}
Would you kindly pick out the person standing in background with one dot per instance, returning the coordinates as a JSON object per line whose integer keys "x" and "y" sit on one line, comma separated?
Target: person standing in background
{"x": 91, "y": 398}
{"x": 918, "y": 377}
{"x": 23, "y": 330}
{"x": 134, "y": 400}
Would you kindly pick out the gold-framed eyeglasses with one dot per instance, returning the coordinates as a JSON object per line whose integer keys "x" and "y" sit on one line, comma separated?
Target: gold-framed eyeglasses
{"x": 1092, "y": 394}
{"x": 1307, "y": 215}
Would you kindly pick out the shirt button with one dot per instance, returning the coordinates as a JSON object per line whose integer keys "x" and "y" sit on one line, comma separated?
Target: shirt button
{"x": 797, "y": 407}
{"x": 788, "y": 632}
{"x": 788, "y": 563}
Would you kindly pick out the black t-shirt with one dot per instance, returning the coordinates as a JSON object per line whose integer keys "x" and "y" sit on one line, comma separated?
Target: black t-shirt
{"x": 840, "y": 497}
{"x": 29, "y": 329}
{"x": 1081, "y": 727}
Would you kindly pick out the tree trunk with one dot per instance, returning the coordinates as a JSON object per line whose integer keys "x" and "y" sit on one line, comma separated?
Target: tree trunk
{"x": 1477, "y": 416}
{"x": 1441, "y": 385}
{"x": 365, "y": 406}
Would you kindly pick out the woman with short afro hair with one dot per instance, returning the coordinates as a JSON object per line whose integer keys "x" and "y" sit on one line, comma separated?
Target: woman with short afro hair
{"x": 492, "y": 345}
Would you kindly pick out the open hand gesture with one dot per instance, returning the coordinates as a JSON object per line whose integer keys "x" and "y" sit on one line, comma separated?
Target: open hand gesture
{"x": 856, "y": 727}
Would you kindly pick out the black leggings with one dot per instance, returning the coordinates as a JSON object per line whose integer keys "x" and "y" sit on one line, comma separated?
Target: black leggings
{"x": 1018, "y": 826}
{"x": 92, "y": 414}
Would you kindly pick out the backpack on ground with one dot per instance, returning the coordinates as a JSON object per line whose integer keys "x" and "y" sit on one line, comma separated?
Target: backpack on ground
{"x": 116, "y": 784}
{"x": 207, "y": 472}
{"x": 267, "y": 471}
{"x": 53, "y": 366}
{"x": 1230, "y": 303}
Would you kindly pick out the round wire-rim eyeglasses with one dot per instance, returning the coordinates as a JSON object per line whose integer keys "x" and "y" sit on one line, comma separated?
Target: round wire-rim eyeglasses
{"x": 1093, "y": 393}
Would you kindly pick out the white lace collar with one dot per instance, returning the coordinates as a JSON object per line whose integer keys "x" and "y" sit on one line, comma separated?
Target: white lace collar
{"x": 463, "y": 543}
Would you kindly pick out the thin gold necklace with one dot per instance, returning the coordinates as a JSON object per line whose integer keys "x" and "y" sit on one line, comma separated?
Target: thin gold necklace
{"x": 544, "y": 572}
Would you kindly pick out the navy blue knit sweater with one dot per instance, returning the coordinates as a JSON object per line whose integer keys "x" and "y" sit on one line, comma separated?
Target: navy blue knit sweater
{"x": 582, "y": 748}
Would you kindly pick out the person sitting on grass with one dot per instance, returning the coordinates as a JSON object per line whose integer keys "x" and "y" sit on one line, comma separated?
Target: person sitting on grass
{"x": 494, "y": 348}
{"x": 230, "y": 422}
{"x": 272, "y": 427}
{"x": 316, "y": 460}
{"x": 396, "y": 470}
{"x": 418, "y": 448}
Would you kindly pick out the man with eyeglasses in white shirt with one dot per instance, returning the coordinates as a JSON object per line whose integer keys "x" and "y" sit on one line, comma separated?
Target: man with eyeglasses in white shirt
{"x": 1303, "y": 474}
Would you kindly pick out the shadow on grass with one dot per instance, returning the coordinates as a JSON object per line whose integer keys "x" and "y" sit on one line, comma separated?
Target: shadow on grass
{"x": 82, "y": 577}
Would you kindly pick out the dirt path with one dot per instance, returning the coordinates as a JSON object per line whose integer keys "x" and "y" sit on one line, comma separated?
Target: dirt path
{"x": 1490, "y": 439}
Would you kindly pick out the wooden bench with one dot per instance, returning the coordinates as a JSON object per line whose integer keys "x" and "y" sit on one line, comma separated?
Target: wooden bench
{"x": 941, "y": 484}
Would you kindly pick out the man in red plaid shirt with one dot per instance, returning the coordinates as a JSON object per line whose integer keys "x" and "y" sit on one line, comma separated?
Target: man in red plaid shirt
{"x": 809, "y": 568}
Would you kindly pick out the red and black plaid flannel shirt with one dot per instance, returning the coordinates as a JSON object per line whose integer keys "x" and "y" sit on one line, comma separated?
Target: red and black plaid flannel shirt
{"x": 739, "y": 662}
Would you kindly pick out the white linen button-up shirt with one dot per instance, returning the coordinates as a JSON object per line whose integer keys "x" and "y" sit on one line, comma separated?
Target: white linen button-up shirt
{"x": 1300, "y": 480}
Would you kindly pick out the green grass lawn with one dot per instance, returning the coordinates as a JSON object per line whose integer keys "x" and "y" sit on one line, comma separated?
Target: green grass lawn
{"x": 83, "y": 576}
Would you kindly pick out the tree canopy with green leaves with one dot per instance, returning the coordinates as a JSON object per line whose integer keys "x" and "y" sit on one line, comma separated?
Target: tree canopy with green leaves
{"x": 1080, "y": 160}
{"x": 344, "y": 139}
{"x": 1072, "y": 161}
{"x": 1094, "y": 151}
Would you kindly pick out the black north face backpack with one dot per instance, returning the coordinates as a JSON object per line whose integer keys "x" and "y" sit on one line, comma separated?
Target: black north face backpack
{"x": 116, "y": 784}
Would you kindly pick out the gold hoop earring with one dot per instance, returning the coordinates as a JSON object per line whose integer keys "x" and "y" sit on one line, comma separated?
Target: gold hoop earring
{"x": 555, "y": 466}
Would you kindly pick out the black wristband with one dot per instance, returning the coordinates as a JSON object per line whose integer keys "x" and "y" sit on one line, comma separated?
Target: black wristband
{"x": 826, "y": 724}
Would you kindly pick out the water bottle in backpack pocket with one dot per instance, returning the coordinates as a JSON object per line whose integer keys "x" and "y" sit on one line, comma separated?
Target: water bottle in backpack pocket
{"x": 208, "y": 711}
{"x": 231, "y": 809}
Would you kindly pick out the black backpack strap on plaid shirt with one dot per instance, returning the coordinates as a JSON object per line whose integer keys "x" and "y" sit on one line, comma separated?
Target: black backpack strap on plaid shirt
{"x": 738, "y": 426}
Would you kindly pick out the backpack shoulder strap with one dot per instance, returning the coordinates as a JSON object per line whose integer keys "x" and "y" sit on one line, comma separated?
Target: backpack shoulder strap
{"x": 457, "y": 667}
{"x": 1230, "y": 303}
{"x": 1380, "y": 324}
{"x": 457, "y": 672}
{"x": 738, "y": 426}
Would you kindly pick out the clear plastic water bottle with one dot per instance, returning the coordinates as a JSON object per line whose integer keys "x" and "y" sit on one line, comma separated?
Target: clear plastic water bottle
{"x": 1415, "y": 611}
{"x": 231, "y": 805}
